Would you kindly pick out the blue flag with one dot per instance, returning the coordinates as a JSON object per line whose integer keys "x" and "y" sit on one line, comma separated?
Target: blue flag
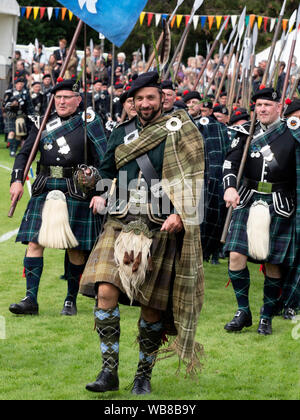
{"x": 115, "y": 19}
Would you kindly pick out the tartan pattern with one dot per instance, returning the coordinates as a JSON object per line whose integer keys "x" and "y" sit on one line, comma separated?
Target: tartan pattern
{"x": 10, "y": 124}
{"x": 216, "y": 144}
{"x": 282, "y": 239}
{"x": 183, "y": 166}
{"x": 84, "y": 224}
{"x": 101, "y": 266}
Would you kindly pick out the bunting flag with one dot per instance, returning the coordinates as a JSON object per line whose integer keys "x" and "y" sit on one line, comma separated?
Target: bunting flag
{"x": 90, "y": 9}
{"x": 98, "y": 15}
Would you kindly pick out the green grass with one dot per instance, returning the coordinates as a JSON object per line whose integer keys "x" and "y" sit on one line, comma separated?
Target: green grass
{"x": 52, "y": 357}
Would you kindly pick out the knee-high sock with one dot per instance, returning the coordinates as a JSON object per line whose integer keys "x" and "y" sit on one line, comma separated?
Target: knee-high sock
{"x": 33, "y": 271}
{"x": 150, "y": 337}
{"x": 108, "y": 327}
{"x": 73, "y": 274}
{"x": 271, "y": 295}
{"x": 240, "y": 280}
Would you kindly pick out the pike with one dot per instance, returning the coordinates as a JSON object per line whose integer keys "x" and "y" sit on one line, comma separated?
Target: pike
{"x": 152, "y": 56}
{"x": 276, "y": 34}
{"x": 181, "y": 44}
{"x": 46, "y": 116}
{"x": 252, "y": 127}
{"x": 221, "y": 57}
{"x": 252, "y": 61}
{"x": 241, "y": 28}
{"x": 210, "y": 52}
{"x": 283, "y": 43}
{"x": 288, "y": 70}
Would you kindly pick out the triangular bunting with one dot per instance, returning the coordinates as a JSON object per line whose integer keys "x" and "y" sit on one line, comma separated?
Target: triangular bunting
{"x": 142, "y": 17}
{"x": 272, "y": 24}
{"x": 56, "y": 12}
{"x": 149, "y": 18}
{"x": 218, "y": 20}
{"x": 252, "y": 19}
{"x": 187, "y": 18}
{"x": 178, "y": 20}
{"x": 35, "y": 12}
{"x": 42, "y": 12}
{"x": 259, "y": 21}
{"x": 247, "y": 19}
{"x": 233, "y": 20}
{"x": 203, "y": 20}
{"x": 70, "y": 15}
{"x": 173, "y": 21}
{"x": 210, "y": 21}
{"x": 284, "y": 24}
{"x": 157, "y": 18}
{"x": 195, "y": 21}
{"x": 49, "y": 12}
{"x": 63, "y": 13}
{"x": 28, "y": 11}
{"x": 265, "y": 23}
{"x": 226, "y": 25}
{"x": 23, "y": 11}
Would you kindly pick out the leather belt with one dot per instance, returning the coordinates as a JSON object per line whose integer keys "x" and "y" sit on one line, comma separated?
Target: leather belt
{"x": 266, "y": 187}
{"x": 56, "y": 171}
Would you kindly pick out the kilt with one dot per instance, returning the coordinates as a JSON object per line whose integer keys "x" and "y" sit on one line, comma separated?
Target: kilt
{"x": 84, "y": 224}
{"x": 10, "y": 124}
{"x": 282, "y": 233}
{"x": 101, "y": 266}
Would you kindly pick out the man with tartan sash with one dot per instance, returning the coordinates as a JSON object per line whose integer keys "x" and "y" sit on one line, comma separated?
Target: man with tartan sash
{"x": 61, "y": 150}
{"x": 149, "y": 253}
{"x": 216, "y": 144}
{"x": 265, "y": 224}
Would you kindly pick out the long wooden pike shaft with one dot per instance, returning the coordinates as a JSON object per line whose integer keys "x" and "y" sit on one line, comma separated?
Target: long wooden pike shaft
{"x": 47, "y": 114}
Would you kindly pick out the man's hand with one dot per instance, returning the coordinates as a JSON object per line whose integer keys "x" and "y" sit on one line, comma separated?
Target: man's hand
{"x": 231, "y": 197}
{"x": 16, "y": 191}
{"x": 173, "y": 224}
{"x": 97, "y": 204}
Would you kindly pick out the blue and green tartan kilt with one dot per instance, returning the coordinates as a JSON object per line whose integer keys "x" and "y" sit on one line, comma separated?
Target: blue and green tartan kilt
{"x": 282, "y": 234}
{"x": 10, "y": 124}
{"x": 84, "y": 225}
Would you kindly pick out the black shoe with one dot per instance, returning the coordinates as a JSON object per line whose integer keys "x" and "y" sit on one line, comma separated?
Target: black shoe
{"x": 141, "y": 385}
{"x": 289, "y": 313}
{"x": 105, "y": 381}
{"x": 240, "y": 320}
{"x": 265, "y": 327}
{"x": 69, "y": 308}
{"x": 25, "y": 307}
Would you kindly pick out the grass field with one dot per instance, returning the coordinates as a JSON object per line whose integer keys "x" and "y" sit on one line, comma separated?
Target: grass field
{"x": 52, "y": 357}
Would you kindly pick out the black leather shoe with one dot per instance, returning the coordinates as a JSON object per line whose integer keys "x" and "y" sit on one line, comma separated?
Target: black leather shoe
{"x": 240, "y": 320}
{"x": 265, "y": 327}
{"x": 141, "y": 385}
{"x": 25, "y": 307}
{"x": 105, "y": 381}
{"x": 69, "y": 308}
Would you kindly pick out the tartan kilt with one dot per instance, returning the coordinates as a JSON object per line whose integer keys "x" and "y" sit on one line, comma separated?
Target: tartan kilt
{"x": 101, "y": 267}
{"x": 10, "y": 124}
{"x": 84, "y": 224}
{"x": 282, "y": 233}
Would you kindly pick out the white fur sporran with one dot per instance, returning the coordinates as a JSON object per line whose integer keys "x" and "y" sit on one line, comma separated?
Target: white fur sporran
{"x": 258, "y": 230}
{"x": 132, "y": 256}
{"x": 55, "y": 231}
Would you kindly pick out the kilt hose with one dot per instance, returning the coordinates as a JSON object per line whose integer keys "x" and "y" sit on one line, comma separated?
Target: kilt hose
{"x": 84, "y": 224}
{"x": 282, "y": 233}
{"x": 155, "y": 291}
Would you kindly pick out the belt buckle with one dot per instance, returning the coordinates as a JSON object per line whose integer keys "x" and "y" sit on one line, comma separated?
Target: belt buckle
{"x": 138, "y": 197}
{"x": 56, "y": 171}
{"x": 264, "y": 187}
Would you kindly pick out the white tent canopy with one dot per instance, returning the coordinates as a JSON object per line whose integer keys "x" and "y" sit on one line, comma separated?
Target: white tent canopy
{"x": 264, "y": 55}
{"x": 9, "y": 13}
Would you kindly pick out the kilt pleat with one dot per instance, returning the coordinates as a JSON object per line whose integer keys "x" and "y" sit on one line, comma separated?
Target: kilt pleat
{"x": 282, "y": 233}
{"x": 84, "y": 224}
{"x": 101, "y": 267}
